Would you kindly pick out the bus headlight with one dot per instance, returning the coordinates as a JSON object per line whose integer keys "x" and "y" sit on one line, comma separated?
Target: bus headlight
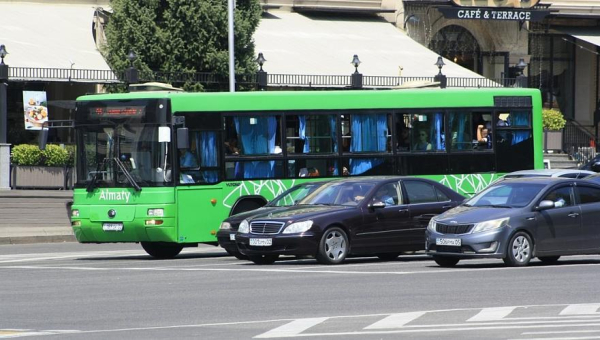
{"x": 156, "y": 212}
{"x": 244, "y": 227}
{"x": 75, "y": 213}
{"x": 225, "y": 226}
{"x": 298, "y": 227}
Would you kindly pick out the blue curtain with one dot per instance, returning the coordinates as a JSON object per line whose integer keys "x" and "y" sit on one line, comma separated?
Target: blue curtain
{"x": 520, "y": 119}
{"x": 369, "y": 134}
{"x": 206, "y": 142}
{"x": 333, "y": 127}
{"x": 258, "y": 138}
{"x": 302, "y": 134}
{"x": 437, "y": 137}
{"x": 461, "y": 122}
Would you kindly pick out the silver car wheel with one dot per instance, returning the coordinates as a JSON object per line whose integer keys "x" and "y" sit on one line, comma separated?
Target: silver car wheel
{"x": 335, "y": 245}
{"x": 521, "y": 249}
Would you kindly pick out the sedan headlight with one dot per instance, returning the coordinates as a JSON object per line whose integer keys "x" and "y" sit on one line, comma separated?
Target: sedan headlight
{"x": 298, "y": 227}
{"x": 431, "y": 225}
{"x": 490, "y": 225}
{"x": 225, "y": 226}
{"x": 244, "y": 227}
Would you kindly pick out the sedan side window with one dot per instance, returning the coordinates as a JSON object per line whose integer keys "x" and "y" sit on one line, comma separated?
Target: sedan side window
{"x": 588, "y": 195}
{"x": 561, "y": 197}
{"x": 388, "y": 194}
{"x": 419, "y": 192}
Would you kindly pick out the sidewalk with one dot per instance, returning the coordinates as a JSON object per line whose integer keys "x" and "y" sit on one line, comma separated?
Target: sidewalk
{"x": 35, "y": 216}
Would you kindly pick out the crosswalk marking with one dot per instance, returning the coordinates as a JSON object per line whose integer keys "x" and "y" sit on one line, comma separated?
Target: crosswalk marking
{"x": 395, "y": 320}
{"x": 581, "y": 309}
{"x": 292, "y": 328}
{"x": 492, "y": 314}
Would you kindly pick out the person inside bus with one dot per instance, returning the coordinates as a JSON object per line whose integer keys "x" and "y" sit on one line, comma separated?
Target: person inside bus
{"x": 404, "y": 139}
{"x": 231, "y": 147}
{"x": 422, "y": 143}
{"x": 484, "y": 138}
{"x": 313, "y": 172}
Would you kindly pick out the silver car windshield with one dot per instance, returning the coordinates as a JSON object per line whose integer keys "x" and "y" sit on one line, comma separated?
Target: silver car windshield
{"x": 510, "y": 195}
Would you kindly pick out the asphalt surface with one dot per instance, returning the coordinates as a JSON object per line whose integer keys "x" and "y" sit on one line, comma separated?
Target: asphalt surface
{"x": 35, "y": 216}
{"x": 116, "y": 291}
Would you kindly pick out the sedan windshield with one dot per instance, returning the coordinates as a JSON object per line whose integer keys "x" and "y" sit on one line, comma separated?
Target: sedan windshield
{"x": 346, "y": 193}
{"x": 506, "y": 195}
{"x": 293, "y": 195}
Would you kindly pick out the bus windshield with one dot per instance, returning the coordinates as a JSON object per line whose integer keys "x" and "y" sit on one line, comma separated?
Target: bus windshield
{"x": 123, "y": 154}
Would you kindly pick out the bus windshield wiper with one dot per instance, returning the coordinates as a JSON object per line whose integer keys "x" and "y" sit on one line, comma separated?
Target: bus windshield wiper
{"x": 92, "y": 183}
{"x": 127, "y": 174}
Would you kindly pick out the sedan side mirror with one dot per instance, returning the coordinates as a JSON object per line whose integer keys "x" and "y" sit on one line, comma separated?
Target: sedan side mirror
{"x": 377, "y": 205}
{"x": 596, "y": 167}
{"x": 545, "y": 205}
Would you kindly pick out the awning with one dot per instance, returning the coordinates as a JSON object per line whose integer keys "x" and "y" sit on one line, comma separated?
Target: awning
{"x": 293, "y": 43}
{"x": 591, "y": 35}
{"x": 49, "y": 35}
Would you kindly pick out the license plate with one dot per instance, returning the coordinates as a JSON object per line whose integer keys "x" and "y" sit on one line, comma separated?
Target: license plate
{"x": 261, "y": 242}
{"x": 232, "y": 237}
{"x": 112, "y": 226}
{"x": 448, "y": 241}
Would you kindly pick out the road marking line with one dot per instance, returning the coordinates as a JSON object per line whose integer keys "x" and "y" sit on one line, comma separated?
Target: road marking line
{"x": 396, "y": 320}
{"x": 560, "y": 332}
{"x": 492, "y": 314}
{"x": 291, "y": 329}
{"x": 569, "y": 338}
{"x": 581, "y": 309}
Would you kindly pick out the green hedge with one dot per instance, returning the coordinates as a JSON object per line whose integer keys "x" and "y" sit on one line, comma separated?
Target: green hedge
{"x": 53, "y": 155}
{"x": 553, "y": 119}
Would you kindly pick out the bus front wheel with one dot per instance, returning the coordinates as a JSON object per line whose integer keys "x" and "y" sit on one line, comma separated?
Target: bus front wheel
{"x": 162, "y": 250}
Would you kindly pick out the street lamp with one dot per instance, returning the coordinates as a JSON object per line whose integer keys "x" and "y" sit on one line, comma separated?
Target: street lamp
{"x": 261, "y": 76}
{"x": 131, "y": 74}
{"x": 4, "y": 147}
{"x": 521, "y": 80}
{"x": 356, "y": 80}
{"x": 440, "y": 77}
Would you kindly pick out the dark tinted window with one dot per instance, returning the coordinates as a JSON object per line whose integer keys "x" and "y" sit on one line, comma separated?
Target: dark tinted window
{"x": 588, "y": 195}
{"x": 420, "y": 192}
{"x": 441, "y": 196}
{"x": 573, "y": 175}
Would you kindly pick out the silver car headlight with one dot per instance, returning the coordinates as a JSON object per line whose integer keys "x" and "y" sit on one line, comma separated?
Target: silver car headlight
{"x": 490, "y": 225}
{"x": 225, "y": 226}
{"x": 298, "y": 227}
{"x": 431, "y": 225}
{"x": 244, "y": 227}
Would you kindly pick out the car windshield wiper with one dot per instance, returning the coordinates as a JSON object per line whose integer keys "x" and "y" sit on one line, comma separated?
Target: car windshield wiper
{"x": 127, "y": 174}
{"x": 466, "y": 205}
{"x": 92, "y": 183}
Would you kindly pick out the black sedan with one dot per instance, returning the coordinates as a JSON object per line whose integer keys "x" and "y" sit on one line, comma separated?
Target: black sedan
{"x": 229, "y": 227}
{"x": 518, "y": 219}
{"x": 380, "y": 216}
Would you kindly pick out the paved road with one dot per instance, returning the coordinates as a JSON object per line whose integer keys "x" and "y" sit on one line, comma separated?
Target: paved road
{"x": 74, "y": 291}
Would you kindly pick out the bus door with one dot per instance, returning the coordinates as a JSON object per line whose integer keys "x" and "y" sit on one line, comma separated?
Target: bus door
{"x": 199, "y": 197}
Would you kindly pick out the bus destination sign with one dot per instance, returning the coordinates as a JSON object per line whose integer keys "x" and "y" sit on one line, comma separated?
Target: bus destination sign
{"x": 117, "y": 111}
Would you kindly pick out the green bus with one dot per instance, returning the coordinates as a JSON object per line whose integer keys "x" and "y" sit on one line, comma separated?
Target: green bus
{"x": 165, "y": 168}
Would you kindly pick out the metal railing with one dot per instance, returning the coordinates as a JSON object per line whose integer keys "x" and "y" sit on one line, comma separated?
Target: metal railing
{"x": 578, "y": 142}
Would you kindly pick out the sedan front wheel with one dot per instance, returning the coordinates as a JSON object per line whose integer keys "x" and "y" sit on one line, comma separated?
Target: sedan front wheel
{"x": 333, "y": 247}
{"x": 519, "y": 250}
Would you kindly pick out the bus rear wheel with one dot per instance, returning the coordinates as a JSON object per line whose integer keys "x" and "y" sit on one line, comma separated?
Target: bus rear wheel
{"x": 161, "y": 250}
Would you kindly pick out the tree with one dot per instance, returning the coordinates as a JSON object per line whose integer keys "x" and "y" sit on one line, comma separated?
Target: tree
{"x": 181, "y": 36}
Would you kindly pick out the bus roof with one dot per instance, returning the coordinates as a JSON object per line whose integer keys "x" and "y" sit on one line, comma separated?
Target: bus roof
{"x": 324, "y": 100}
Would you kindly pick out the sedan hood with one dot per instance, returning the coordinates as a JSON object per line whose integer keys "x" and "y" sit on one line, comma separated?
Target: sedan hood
{"x": 467, "y": 215}
{"x": 299, "y": 212}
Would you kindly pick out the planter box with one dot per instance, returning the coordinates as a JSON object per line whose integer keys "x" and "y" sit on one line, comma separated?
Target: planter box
{"x": 553, "y": 140}
{"x": 42, "y": 177}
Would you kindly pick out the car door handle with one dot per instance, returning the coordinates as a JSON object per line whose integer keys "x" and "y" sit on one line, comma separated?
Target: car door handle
{"x": 530, "y": 218}
{"x": 573, "y": 215}
{"x": 403, "y": 210}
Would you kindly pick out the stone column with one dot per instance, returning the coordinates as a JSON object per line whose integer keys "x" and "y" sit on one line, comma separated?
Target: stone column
{"x": 4, "y": 166}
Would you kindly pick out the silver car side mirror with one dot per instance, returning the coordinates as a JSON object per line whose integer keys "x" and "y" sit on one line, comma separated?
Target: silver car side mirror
{"x": 545, "y": 205}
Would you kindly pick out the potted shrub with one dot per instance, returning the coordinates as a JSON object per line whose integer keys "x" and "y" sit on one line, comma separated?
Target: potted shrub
{"x": 34, "y": 168}
{"x": 553, "y": 122}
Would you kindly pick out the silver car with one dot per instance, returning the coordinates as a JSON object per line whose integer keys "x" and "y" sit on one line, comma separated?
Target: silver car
{"x": 518, "y": 219}
{"x": 565, "y": 173}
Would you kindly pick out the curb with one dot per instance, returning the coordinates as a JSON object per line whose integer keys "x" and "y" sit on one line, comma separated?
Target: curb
{"x": 37, "y": 239}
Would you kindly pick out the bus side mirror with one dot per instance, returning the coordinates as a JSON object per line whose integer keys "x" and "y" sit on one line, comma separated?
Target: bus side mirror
{"x": 183, "y": 139}
{"x": 43, "y": 138}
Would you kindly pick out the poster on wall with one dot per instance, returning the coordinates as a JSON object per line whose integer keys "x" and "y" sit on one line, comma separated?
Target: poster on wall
{"x": 35, "y": 109}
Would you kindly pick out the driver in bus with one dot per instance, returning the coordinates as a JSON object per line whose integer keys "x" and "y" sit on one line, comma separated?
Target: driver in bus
{"x": 187, "y": 160}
